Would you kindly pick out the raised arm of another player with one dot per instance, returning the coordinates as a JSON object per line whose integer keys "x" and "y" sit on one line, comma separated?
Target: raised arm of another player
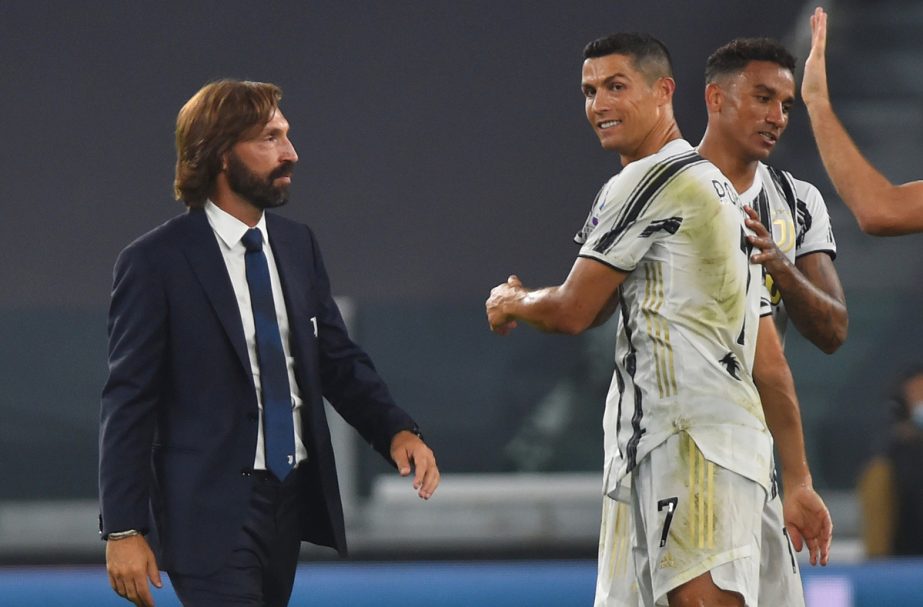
{"x": 880, "y": 208}
{"x": 806, "y": 516}
{"x": 584, "y": 300}
{"x": 810, "y": 287}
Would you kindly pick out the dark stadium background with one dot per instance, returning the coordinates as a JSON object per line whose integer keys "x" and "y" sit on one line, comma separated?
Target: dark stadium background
{"x": 443, "y": 146}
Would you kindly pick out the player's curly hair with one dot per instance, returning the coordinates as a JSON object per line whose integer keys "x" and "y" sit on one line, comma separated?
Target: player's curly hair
{"x": 734, "y": 57}
{"x": 649, "y": 55}
{"x": 212, "y": 121}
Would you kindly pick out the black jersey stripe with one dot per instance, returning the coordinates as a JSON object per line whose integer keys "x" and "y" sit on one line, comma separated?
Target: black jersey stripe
{"x": 644, "y": 193}
{"x": 630, "y": 363}
{"x": 784, "y": 183}
{"x": 762, "y": 208}
{"x": 618, "y": 417}
{"x": 637, "y": 201}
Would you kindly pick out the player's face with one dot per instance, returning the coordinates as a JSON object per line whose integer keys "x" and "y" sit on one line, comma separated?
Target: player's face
{"x": 756, "y": 107}
{"x": 620, "y": 104}
{"x": 259, "y": 168}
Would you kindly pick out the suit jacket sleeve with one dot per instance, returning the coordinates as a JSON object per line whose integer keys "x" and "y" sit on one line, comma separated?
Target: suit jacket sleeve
{"x": 137, "y": 342}
{"x": 349, "y": 378}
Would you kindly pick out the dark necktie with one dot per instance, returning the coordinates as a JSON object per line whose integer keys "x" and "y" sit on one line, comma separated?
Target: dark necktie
{"x": 278, "y": 426}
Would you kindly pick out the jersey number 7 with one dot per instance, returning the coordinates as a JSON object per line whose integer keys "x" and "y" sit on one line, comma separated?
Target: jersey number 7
{"x": 670, "y": 505}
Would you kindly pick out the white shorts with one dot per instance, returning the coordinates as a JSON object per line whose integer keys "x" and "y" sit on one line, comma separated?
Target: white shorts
{"x": 780, "y": 577}
{"x": 692, "y": 516}
{"x": 616, "y": 586}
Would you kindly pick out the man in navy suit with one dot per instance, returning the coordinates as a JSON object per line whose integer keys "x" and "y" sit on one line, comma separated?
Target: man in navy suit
{"x": 215, "y": 455}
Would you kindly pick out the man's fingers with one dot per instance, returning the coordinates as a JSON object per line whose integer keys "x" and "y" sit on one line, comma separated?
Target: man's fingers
{"x": 131, "y": 593}
{"x": 795, "y": 536}
{"x": 828, "y": 539}
{"x": 819, "y": 30}
{"x": 401, "y": 461}
{"x": 431, "y": 479}
{"x": 154, "y": 573}
{"x": 504, "y": 328}
{"x": 420, "y": 465}
{"x": 814, "y": 546}
{"x": 426, "y": 478}
{"x": 143, "y": 592}
{"x": 758, "y": 228}
{"x": 118, "y": 584}
{"x": 431, "y": 482}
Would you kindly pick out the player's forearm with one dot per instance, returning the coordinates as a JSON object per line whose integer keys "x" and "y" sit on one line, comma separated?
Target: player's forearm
{"x": 783, "y": 416}
{"x": 773, "y": 379}
{"x": 866, "y": 192}
{"x": 820, "y": 317}
{"x": 551, "y": 310}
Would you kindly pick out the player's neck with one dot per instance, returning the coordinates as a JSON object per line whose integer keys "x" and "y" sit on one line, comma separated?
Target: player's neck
{"x": 739, "y": 170}
{"x": 663, "y": 133}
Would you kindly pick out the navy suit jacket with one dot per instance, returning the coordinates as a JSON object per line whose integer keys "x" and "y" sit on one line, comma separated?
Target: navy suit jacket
{"x": 179, "y": 413}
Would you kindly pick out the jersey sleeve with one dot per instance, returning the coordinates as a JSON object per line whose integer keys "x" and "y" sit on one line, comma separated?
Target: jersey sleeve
{"x": 814, "y": 230}
{"x": 592, "y": 219}
{"x": 628, "y": 218}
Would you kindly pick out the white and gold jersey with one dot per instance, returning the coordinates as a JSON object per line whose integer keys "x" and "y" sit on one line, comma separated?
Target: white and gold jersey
{"x": 796, "y": 214}
{"x": 689, "y": 314}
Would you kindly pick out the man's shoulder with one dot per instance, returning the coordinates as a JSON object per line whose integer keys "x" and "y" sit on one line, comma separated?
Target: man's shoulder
{"x": 166, "y": 233}
{"x": 287, "y": 229}
{"x": 281, "y": 222}
{"x": 654, "y": 171}
{"x": 803, "y": 190}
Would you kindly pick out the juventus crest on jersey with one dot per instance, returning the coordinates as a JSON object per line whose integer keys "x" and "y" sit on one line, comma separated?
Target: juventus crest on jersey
{"x": 796, "y": 214}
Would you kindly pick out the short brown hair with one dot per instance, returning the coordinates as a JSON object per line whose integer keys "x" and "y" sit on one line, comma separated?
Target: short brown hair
{"x": 212, "y": 121}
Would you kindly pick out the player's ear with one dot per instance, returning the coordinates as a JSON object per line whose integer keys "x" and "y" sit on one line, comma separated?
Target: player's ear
{"x": 714, "y": 97}
{"x": 665, "y": 87}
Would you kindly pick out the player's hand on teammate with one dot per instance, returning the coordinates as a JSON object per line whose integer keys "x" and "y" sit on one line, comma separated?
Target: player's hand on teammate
{"x": 814, "y": 82}
{"x": 770, "y": 256}
{"x": 808, "y": 522}
{"x": 500, "y": 320}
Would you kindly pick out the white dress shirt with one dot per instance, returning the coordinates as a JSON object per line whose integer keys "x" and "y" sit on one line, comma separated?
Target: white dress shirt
{"x": 228, "y": 232}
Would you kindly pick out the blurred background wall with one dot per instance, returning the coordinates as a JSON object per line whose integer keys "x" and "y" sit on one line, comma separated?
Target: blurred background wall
{"x": 443, "y": 146}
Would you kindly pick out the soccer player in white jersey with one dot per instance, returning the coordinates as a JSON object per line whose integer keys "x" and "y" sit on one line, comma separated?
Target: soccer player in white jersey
{"x": 749, "y": 91}
{"x": 666, "y": 243}
{"x": 750, "y": 88}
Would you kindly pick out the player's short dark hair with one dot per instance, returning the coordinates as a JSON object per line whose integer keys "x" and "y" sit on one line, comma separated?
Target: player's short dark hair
{"x": 648, "y": 54}
{"x": 734, "y": 57}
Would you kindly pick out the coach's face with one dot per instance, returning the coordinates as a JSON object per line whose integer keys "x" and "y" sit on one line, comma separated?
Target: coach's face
{"x": 621, "y": 105}
{"x": 755, "y": 108}
{"x": 259, "y": 166}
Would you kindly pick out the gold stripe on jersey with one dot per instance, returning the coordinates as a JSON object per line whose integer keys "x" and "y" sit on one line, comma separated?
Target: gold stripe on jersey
{"x": 658, "y": 330}
{"x": 701, "y": 496}
{"x": 622, "y": 539}
{"x": 615, "y": 538}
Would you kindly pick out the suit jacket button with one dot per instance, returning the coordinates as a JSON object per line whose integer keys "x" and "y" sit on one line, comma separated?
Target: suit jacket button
{"x": 246, "y": 471}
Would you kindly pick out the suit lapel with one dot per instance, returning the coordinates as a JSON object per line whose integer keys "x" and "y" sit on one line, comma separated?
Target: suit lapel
{"x": 288, "y": 251}
{"x": 201, "y": 249}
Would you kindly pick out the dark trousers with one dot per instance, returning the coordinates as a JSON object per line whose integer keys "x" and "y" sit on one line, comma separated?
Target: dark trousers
{"x": 260, "y": 570}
